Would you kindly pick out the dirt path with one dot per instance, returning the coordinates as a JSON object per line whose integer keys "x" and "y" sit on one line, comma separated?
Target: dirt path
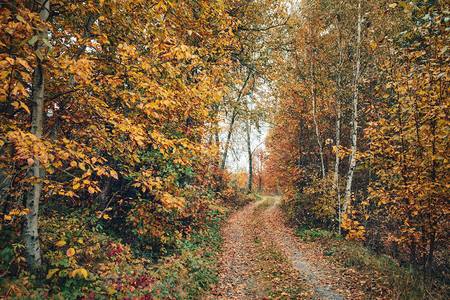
{"x": 235, "y": 278}
{"x": 238, "y": 262}
{"x": 316, "y": 273}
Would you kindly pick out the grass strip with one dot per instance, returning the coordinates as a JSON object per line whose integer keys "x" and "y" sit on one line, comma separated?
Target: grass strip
{"x": 279, "y": 279}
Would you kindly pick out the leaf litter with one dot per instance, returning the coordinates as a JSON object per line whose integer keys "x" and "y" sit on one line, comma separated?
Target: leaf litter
{"x": 240, "y": 272}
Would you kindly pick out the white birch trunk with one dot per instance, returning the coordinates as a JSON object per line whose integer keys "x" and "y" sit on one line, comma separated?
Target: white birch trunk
{"x": 335, "y": 186}
{"x": 227, "y": 143}
{"x": 313, "y": 96}
{"x": 353, "y": 149}
{"x": 250, "y": 158}
{"x": 316, "y": 127}
{"x": 30, "y": 232}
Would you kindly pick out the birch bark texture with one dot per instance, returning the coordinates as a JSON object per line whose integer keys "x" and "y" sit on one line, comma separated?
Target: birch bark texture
{"x": 335, "y": 187}
{"x": 314, "y": 100}
{"x": 354, "y": 131}
{"x": 250, "y": 157}
{"x": 30, "y": 232}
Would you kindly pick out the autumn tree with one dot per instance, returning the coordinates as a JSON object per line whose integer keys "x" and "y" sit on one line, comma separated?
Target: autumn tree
{"x": 408, "y": 146}
{"x": 106, "y": 106}
{"x": 365, "y": 81}
{"x": 259, "y": 26}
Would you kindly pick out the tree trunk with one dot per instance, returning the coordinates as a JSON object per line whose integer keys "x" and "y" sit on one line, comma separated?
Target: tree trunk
{"x": 250, "y": 160}
{"x": 316, "y": 126}
{"x": 260, "y": 182}
{"x": 30, "y": 231}
{"x": 227, "y": 143}
{"x": 233, "y": 119}
{"x": 335, "y": 187}
{"x": 299, "y": 147}
{"x": 353, "y": 149}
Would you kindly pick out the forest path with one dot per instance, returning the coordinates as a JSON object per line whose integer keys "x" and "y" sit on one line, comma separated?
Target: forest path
{"x": 315, "y": 271}
{"x": 240, "y": 272}
{"x": 235, "y": 265}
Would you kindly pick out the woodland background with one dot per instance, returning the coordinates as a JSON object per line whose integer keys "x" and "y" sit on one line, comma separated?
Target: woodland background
{"x": 117, "y": 118}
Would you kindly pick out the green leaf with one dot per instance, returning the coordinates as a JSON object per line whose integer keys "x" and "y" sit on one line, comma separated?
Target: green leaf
{"x": 20, "y": 18}
{"x": 38, "y": 54}
{"x": 440, "y": 75}
{"x": 33, "y": 40}
{"x": 47, "y": 43}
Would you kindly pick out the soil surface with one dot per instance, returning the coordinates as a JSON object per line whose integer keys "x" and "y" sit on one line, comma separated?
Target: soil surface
{"x": 235, "y": 264}
{"x": 316, "y": 272}
{"x": 237, "y": 277}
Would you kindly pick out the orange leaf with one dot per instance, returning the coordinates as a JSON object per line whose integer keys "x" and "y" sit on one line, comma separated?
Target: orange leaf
{"x": 91, "y": 190}
{"x": 70, "y": 252}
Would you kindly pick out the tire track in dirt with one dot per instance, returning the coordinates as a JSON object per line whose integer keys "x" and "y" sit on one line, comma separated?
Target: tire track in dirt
{"x": 235, "y": 263}
{"x": 315, "y": 277}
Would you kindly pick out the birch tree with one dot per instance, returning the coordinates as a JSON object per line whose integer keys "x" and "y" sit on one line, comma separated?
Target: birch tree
{"x": 335, "y": 187}
{"x": 354, "y": 129}
{"x": 31, "y": 234}
{"x": 313, "y": 94}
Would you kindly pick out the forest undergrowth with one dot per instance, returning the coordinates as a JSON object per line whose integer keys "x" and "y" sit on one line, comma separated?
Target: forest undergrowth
{"x": 375, "y": 273}
{"x": 85, "y": 262}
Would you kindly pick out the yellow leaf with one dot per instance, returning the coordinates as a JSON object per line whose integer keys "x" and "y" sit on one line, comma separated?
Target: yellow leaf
{"x": 14, "y": 211}
{"x": 60, "y": 243}
{"x": 70, "y": 252}
{"x": 51, "y": 272}
{"x": 106, "y": 217}
{"x": 373, "y": 45}
{"x": 24, "y": 212}
{"x": 82, "y": 166}
{"x": 73, "y": 164}
{"x": 83, "y": 272}
{"x": 24, "y": 106}
{"x": 4, "y": 74}
{"x": 114, "y": 174}
{"x": 76, "y": 186}
{"x": 23, "y": 63}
